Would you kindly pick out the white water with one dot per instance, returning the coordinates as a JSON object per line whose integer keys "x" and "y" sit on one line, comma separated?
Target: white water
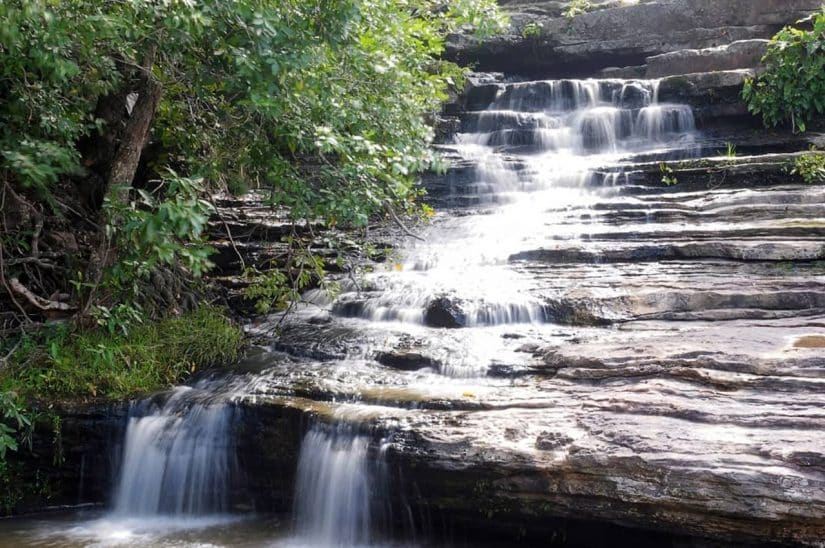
{"x": 533, "y": 154}
{"x": 339, "y": 489}
{"x": 177, "y": 460}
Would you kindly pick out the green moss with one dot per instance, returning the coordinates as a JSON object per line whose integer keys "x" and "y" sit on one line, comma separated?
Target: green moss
{"x": 96, "y": 363}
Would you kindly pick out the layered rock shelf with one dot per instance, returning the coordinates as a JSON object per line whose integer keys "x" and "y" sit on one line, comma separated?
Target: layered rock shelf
{"x": 617, "y": 316}
{"x": 545, "y": 44}
{"x": 644, "y": 349}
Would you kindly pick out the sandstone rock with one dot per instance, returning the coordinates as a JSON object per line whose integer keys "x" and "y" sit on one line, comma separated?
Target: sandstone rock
{"x": 743, "y": 54}
{"x": 624, "y": 36}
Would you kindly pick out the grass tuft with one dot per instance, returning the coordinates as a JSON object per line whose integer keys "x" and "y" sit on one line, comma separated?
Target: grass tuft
{"x": 96, "y": 363}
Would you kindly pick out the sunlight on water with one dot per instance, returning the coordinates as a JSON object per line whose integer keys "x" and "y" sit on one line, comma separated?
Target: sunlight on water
{"x": 534, "y": 153}
{"x": 532, "y": 162}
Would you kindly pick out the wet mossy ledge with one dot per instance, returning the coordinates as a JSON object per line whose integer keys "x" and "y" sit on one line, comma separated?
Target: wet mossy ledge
{"x": 61, "y": 364}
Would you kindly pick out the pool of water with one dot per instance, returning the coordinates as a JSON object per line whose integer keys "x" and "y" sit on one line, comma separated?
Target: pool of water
{"x": 96, "y": 529}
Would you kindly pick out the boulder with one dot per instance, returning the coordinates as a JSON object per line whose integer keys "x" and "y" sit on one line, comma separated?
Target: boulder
{"x": 446, "y": 312}
{"x": 406, "y": 360}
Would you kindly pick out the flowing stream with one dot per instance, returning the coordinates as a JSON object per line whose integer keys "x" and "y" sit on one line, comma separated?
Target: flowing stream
{"x": 527, "y": 155}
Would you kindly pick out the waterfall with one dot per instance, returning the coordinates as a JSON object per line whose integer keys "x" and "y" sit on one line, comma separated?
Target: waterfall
{"x": 525, "y": 149}
{"x": 340, "y": 490}
{"x": 177, "y": 460}
{"x": 535, "y": 152}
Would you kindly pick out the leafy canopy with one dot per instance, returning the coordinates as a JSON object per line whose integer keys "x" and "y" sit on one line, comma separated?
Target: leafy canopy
{"x": 324, "y": 100}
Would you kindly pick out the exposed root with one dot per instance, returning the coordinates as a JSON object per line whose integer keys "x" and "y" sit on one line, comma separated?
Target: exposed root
{"x": 45, "y": 305}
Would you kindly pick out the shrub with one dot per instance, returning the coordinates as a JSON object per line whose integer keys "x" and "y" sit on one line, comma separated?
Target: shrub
{"x": 792, "y": 87}
{"x": 811, "y": 167}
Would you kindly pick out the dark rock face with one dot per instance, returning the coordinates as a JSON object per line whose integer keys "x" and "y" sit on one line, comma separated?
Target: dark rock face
{"x": 633, "y": 96}
{"x": 74, "y": 466}
{"x": 269, "y": 444}
{"x": 406, "y": 360}
{"x": 624, "y": 36}
{"x": 445, "y": 312}
{"x": 714, "y": 96}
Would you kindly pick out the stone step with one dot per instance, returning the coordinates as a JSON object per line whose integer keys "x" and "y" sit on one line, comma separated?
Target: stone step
{"x": 640, "y": 252}
{"x": 624, "y": 35}
{"x": 743, "y": 54}
{"x": 703, "y": 173}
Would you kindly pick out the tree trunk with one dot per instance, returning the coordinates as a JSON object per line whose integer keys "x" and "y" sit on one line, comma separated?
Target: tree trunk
{"x": 135, "y": 136}
{"x": 124, "y": 165}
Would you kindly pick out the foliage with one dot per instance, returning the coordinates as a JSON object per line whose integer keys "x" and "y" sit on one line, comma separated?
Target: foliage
{"x": 53, "y": 72}
{"x": 730, "y": 150}
{"x": 278, "y": 288}
{"x": 531, "y": 30}
{"x": 577, "y": 7}
{"x": 792, "y": 86}
{"x": 156, "y": 231}
{"x": 249, "y": 88}
{"x": 322, "y": 102}
{"x": 811, "y": 167}
{"x": 668, "y": 175}
{"x": 152, "y": 355}
{"x": 15, "y": 423}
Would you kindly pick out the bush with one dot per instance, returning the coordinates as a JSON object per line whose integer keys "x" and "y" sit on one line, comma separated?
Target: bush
{"x": 811, "y": 167}
{"x": 792, "y": 87}
{"x": 577, "y": 7}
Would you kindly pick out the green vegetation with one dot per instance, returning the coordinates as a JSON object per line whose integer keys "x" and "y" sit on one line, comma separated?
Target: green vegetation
{"x": 792, "y": 87}
{"x": 324, "y": 104}
{"x": 811, "y": 167}
{"x": 16, "y": 422}
{"x": 57, "y": 363}
{"x": 531, "y": 30}
{"x": 245, "y": 91}
{"x": 730, "y": 150}
{"x": 668, "y": 175}
{"x": 577, "y": 7}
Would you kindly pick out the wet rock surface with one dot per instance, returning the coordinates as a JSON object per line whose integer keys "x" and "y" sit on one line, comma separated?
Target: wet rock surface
{"x": 737, "y": 55}
{"x": 584, "y": 336}
{"x": 634, "y": 351}
{"x": 445, "y": 312}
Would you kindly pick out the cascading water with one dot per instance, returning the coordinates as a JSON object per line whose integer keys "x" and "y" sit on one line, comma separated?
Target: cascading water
{"x": 529, "y": 154}
{"x": 340, "y": 489}
{"x": 532, "y": 149}
{"x": 527, "y": 158}
{"x": 177, "y": 460}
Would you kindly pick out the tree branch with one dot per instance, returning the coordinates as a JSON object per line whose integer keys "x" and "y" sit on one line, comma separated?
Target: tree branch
{"x": 394, "y": 216}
